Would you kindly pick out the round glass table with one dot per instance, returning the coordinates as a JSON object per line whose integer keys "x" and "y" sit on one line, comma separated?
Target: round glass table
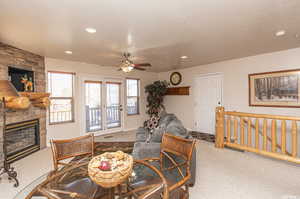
{"x": 72, "y": 181}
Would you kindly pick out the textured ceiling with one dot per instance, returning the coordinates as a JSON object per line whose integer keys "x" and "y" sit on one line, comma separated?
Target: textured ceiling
{"x": 155, "y": 31}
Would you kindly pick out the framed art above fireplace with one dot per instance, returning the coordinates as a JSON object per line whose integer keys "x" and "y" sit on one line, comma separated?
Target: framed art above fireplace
{"x": 275, "y": 89}
{"x": 22, "y": 79}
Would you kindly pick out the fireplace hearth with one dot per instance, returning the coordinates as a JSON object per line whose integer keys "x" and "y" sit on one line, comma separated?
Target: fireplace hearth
{"x": 22, "y": 139}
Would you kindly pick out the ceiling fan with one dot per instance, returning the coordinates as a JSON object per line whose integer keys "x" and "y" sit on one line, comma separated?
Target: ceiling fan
{"x": 127, "y": 64}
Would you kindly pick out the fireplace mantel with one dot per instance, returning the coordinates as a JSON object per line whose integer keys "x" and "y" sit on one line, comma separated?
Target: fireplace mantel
{"x": 38, "y": 99}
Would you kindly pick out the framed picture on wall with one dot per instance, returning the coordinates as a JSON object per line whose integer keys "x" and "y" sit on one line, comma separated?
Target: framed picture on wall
{"x": 275, "y": 89}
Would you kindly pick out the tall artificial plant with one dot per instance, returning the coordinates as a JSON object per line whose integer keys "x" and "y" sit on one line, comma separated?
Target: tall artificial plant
{"x": 155, "y": 96}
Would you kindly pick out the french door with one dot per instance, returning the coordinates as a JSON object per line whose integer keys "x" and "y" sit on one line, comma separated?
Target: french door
{"x": 103, "y": 106}
{"x": 113, "y": 105}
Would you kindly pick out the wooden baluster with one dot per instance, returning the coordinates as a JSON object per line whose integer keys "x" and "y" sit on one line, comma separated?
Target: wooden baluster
{"x": 265, "y": 134}
{"x": 242, "y": 131}
{"x": 294, "y": 139}
{"x": 274, "y": 135}
{"x": 228, "y": 129}
{"x": 257, "y": 133}
{"x": 249, "y": 139}
{"x": 283, "y": 136}
{"x": 235, "y": 130}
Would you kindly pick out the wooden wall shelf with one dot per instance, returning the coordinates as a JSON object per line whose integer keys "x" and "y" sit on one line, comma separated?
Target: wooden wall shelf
{"x": 178, "y": 90}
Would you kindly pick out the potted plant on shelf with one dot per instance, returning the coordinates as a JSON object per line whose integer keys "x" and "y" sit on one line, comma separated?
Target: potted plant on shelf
{"x": 155, "y": 96}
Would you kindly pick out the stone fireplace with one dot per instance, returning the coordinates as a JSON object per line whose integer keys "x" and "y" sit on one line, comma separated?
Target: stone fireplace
{"x": 27, "y": 139}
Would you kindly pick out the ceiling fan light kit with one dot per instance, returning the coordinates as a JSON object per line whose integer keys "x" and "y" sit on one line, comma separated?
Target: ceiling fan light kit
{"x": 127, "y": 65}
{"x": 127, "y": 68}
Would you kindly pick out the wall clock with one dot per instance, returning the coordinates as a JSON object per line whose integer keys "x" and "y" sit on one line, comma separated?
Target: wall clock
{"x": 175, "y": 78}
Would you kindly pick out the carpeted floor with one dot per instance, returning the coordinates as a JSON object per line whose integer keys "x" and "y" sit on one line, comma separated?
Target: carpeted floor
{"x": 221, "y": 174}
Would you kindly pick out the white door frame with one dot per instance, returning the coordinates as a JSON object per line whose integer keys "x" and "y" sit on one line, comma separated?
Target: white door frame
{"x": 217, "y": 74}
{"x": 82, "y": 103}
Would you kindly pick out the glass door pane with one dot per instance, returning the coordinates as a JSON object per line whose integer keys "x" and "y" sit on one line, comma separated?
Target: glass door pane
{"x": 113, "y": 105}
{"x": 93, "y": 106}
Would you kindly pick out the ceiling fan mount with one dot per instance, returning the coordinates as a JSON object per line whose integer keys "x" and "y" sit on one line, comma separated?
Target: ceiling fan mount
{"x": 126, "y": 55}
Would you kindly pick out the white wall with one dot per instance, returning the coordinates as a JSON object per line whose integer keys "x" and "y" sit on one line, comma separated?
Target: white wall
{"x": 235, "y": 83}
{"x": 69, "y": 130}
{"x": 235, "y": 87}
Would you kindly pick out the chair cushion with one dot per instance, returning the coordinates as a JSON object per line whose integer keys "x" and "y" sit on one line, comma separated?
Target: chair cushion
{"x": 142, "y": 150}
{"x": 142, "y": 134}
{"x": 176, "y": 128}
{"x": 165, "y": 119}
{"x": 157, "y": 135}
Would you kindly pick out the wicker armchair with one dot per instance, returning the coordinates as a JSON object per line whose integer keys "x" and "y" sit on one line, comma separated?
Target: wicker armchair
{"x": 68, "y": 148}
{"x": 148, "y": 143}
{"x": 72, "y": 148}
{"x": 177, "y": 151}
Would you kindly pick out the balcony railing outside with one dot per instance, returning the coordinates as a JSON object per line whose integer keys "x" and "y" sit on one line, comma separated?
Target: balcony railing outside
{"x": 94, "y": 116}
{"x": 60, "y": 112}
{"x": 93, "y": 119}
{"x": 113, "y": 116}
{"x": 131, "y": 110}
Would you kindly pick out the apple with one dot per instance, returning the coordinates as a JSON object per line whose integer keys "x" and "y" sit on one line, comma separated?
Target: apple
{"x": 104, "y": 166}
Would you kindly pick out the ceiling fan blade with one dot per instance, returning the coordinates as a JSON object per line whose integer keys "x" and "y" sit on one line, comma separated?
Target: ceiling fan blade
{"x": 138, "y": 68}
{"x": 143, "y": 64}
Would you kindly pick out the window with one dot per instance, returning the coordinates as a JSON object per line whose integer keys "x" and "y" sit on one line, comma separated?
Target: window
{"x": 133, "y": 94}
{"x": 60, "y": 86}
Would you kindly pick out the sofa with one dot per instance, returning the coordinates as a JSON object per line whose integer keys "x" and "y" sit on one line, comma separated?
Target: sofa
{"x": 148, "y": 142}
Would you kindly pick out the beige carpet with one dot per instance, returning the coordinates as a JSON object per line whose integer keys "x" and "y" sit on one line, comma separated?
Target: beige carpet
{"x": 221, "y": 174}
{"x": 228, "y": 174}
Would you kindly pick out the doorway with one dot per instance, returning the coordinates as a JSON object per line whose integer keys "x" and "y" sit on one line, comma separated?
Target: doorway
{"x": 208, "y": 94}
{"x": 103, "y": 106}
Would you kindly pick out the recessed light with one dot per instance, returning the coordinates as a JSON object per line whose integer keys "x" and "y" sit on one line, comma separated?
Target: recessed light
{"x": 280, "y": 33}
{"x": 68, "y": 52}
{"x": 184, "y": 57}
{"x": 91, "y": 30}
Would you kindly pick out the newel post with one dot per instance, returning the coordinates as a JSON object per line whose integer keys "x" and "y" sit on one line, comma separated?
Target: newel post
{"x": 219, "y": 143}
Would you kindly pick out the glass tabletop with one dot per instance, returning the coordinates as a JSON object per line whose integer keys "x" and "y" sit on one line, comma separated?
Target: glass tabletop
{"x": 72, "y": 181}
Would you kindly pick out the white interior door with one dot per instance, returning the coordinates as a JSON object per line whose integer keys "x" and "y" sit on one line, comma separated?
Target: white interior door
{"x": 207, "y": 96}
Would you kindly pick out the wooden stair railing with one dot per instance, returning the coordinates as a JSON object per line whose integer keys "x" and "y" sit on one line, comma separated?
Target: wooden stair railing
{"x": 243, "y": 137}
{"x": 278, "y": 146}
